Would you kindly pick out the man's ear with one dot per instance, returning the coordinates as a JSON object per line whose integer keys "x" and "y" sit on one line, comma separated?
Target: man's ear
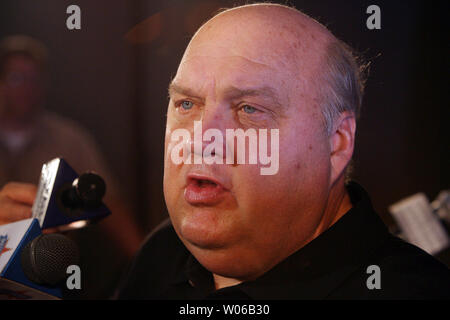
{"x": 342, "y": 141}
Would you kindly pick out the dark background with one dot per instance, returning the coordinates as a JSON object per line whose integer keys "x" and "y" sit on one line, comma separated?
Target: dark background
{"x": 112, "y": 76}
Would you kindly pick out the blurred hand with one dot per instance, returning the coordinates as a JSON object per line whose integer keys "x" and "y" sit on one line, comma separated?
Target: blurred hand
{"x": 16, "y": 200}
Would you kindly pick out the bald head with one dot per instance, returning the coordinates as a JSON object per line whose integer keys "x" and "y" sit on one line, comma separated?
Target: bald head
{"x": 284, "y": 37}
{"x": 278, "y": 20}
{"x": 272, "y": 34}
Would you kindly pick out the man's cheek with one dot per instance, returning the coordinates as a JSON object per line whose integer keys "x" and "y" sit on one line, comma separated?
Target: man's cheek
{"x": 253, "y": 189}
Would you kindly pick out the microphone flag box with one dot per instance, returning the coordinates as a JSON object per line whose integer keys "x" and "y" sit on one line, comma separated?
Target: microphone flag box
{"x": 419, "y": 225}
{"x": 55, "y": 205}
{"x": 14, "y": 284}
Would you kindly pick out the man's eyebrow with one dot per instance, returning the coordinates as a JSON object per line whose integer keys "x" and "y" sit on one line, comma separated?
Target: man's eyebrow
{"x": 175, "y": 88}
{"x": 265, "y": 91}
{"x": 232, "y": 93}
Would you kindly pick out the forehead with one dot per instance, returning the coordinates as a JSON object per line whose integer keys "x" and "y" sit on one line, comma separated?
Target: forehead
{"x": 215, "y": 68}
{"x": 225, "y": 69}
{"x": 242, "y": 53}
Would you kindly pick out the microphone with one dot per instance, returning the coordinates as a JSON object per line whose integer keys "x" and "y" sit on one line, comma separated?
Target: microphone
{"x": 86, "y": 192}
{"x": 46, "y": 258}
{"x": 33, "y": 265}
{"x": 420, "y": 222}
{"x": 67, "y": 200}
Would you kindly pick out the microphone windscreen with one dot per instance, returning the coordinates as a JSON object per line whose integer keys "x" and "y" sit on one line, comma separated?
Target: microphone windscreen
{"x": 91, "y": 189}
{"x": 45, "y": 259}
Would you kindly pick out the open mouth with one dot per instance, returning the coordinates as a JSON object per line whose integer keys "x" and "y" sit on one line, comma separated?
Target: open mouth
{"x": 203, "y": 190}
{"x": 202, "y": 183}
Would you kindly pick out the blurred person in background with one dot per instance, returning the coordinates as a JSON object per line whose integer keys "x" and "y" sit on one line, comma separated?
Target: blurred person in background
{"x": 31, "y": 136}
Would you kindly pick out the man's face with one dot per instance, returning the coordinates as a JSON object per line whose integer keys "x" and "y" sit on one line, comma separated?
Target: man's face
{"x": 21, "y": 88}
{"x": 237, "y": 222}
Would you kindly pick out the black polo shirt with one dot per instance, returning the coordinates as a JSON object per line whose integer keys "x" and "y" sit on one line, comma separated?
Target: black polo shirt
{"x": 333, "y": 266}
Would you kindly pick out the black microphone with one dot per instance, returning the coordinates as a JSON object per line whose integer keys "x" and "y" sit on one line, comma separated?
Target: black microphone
{"x": 85, "y": 193}
{"x": 33, "y": 265}
{"x": 46, "y": 258}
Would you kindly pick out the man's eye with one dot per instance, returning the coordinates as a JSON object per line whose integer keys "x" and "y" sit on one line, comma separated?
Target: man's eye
{"x": 249, "y": 109}
{"x": 187, "y": 105}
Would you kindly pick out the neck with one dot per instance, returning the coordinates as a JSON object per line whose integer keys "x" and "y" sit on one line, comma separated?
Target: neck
{"x": 338, "y": 205}
{"x": 222, "y": 282}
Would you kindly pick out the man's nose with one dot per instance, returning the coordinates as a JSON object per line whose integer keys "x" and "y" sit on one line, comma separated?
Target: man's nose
{"x": 217, "y": 116}
{"x": 216, "y": 119}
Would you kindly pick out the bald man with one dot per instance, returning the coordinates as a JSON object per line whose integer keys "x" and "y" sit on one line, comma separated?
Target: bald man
{"x": 301, "y": 233}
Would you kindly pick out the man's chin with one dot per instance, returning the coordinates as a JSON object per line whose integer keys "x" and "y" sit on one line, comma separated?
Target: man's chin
{"x": 220, "y": 260}
{"x": 206, "y": 228}
{"x": 202, "y": 237}
{"x": 222, "y": 257}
